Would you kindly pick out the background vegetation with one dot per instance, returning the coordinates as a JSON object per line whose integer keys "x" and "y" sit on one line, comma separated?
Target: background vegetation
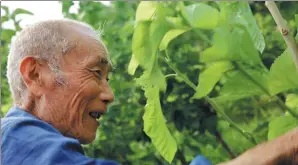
{"x": 196, "y": 126}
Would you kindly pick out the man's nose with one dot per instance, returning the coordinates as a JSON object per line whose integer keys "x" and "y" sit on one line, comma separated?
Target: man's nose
{"x": 107, "y": 94}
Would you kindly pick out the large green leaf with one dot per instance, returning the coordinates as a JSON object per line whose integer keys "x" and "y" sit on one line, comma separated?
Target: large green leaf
{"x": 4, "y": 18}
{"x": 141, "y": 44}
{"x": 6, "y": 34}
{"x": 155, "y": 126}
{"x": 158, "y": 29}
{"x": 283, "y": 74}
{"x": 153, "y": 78}
{"x": 210, "y": 77}
{"x": 231, "y": 43}
{"x": 292, "y": 101}
{"x": 133, "y": 65}
{"x": 169, "y": 36}
{"x": 20, "y": 11}
{"x": 240, "y": 13}
{"x": 281, "y": 125}
{"x": 146, "y": 10}
{"x": 201, "y": 16}
{"x": 239, "y": 85}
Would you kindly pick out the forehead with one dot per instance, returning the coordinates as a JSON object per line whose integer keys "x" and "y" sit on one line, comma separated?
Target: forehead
{"x": 90, "y": 52}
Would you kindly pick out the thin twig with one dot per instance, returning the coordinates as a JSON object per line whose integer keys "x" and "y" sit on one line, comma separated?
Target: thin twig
{"x": 284, "y": 30}
{"x": 224, "y": 144}
{"x": 214, "y": 105}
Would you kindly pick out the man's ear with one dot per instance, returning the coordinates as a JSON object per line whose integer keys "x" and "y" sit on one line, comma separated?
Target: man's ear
{"x": 30, "y": 69}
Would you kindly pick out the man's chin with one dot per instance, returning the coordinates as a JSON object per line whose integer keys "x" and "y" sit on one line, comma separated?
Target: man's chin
{"x": 87, "y": 140}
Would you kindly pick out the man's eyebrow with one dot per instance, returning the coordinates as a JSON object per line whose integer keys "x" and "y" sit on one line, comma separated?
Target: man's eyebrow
{"x": 105, "y": 62}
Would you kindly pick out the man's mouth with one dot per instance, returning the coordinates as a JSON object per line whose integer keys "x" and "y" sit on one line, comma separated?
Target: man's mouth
{"x": 95, "y": 115}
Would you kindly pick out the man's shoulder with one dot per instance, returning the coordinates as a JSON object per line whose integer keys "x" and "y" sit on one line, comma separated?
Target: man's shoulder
{"x": 25, "y": 127}
{"x": 28, "y": 140}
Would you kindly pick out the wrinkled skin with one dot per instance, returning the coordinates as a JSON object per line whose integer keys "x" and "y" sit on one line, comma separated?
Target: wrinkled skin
{"x": 67, "y": 107}
{"x": 281, "y": 151}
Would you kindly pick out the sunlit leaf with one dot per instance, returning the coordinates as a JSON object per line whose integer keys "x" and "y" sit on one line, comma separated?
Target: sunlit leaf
{"x": 201, "y": 16}
{"x": 133, "y": 65}
{"x": 231, "y": 43}
{"x": 281, "y": 125}
{"x": 153, "y": 78}
{"x": 141, "y": 44}
{"x": 170, "y": 35}
{"x": 240, "y": 13}
{"x": 146, "y": 10}
{"x": 155, "y": 126}
{"x": 292, "y": 101}
{"x": 283, "y": 74}
{"x": 210, "y": 77}
{"x": 239, "y": 85}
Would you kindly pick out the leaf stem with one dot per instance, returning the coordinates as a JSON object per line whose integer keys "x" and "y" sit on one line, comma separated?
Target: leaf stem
{"x": 284, "y": 30}
{"x": 217, "y": 108}
{"x": 279, "y": 101}
{"x": 171, "y": 75}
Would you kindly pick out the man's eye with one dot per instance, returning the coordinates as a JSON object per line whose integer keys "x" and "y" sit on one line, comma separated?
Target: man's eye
{"x": 98, "y": 74}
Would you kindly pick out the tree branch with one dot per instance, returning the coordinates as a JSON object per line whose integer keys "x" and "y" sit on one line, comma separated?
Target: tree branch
{"x": 284, "y": 30}
{"x": 224, "y": 144}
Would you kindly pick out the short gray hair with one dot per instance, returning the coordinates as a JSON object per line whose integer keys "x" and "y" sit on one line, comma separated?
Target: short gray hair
{"x": 45, "y": 41}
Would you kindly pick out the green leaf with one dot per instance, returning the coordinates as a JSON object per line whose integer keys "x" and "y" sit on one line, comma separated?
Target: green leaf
{"x": 231, "y": 43}
{"x": 5, "y": 8}
{"x": 66, "y": 6}
{"x": 201, "y": 16}
{"x": 153, "y": 78}
{"x": 281, "y": 125}
{"x": 155, "y": 126}
{"x": 7, "y": 34}
{"x": 133, "y": 65}
{"x": 176, "y": 22}
{"x": 239, "y": 86}
{"x": 146, "y": 10}
{"x": 141, "y": 44}
{"x": 292, "y": 101}
{"x": 157, "y": 30}
{"x": 296, "y": 20}
{"x": 240, "y": 13}
{"x": 20, "y": 11}
{"x": 169, "y": 36}
{"x": 4, "y": 18}
{"x": 283, "y": 74}
{"x": 210, "y": 77}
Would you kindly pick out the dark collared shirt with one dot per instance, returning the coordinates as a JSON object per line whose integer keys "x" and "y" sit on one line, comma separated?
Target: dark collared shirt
{"x": 26, "y": 140}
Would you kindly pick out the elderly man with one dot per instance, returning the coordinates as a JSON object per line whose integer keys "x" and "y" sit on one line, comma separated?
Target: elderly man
{"x": 58, "y": 76}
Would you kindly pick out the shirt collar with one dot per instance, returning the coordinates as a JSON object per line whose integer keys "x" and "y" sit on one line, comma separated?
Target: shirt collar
{"x": 18, "y": 112}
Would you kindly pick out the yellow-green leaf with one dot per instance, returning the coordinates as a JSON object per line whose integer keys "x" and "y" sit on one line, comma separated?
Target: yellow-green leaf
{"x": 210, "y": 77}
{"x": 146, "y": 10}
{"x": 133, "y": 65}
{"x": 155, "y": 125}
{"x": 201, "y": 16}
{"x": 281, "y": 125}
{"x": 283, "y": 74}
{"x": 169, "y": 36}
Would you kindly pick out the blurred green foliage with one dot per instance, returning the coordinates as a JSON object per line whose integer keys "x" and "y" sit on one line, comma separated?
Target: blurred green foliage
{"x": 197, "y": 128}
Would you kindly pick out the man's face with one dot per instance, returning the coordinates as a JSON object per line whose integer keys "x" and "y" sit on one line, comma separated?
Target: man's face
{"x": 75, "y": 108}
